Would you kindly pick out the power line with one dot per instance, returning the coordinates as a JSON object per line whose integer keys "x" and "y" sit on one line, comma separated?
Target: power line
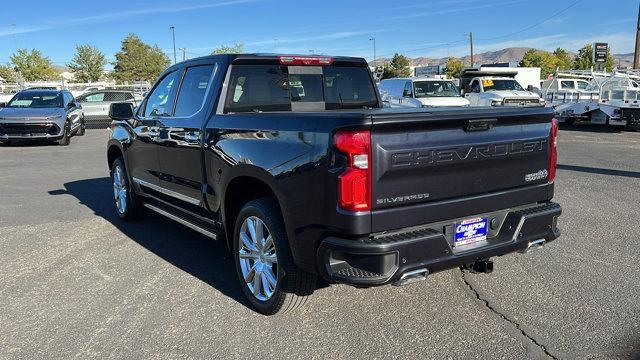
{"x": 534, "y": 25}
{"x": 495, "y": 37}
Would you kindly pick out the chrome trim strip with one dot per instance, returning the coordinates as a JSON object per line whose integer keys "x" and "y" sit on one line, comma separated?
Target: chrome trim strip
{"x": 168, "y": 192}
{"x": 181, "y": 221}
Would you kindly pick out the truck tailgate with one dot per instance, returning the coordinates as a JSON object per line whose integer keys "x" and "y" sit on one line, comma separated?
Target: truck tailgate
{"x": 441, "y": 156}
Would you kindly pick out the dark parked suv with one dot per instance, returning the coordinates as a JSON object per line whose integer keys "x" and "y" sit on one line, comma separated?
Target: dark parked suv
{"x": 293, "y": 162}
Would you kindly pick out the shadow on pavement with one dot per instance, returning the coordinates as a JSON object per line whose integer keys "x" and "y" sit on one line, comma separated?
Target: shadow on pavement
{"x": 28, "y": 143}
{"x": 600, "y": 171}
{"x": 189, "y": 251}
{"x": 594, "y": 128}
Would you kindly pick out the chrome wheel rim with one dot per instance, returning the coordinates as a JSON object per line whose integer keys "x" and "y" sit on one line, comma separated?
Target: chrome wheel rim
{"x": 119, "y": 190}
{"x": 258, "y": 258}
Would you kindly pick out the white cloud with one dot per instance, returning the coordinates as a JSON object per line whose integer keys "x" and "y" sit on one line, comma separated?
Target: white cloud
{"x": 159, "y": 10}
{"x": 329, "y": 36}
{"x": 456, "y": 9}
{"x": 121, "y": 15}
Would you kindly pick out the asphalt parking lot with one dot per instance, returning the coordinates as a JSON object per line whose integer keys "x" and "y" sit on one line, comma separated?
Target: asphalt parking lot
{"x": 75, "y": 281}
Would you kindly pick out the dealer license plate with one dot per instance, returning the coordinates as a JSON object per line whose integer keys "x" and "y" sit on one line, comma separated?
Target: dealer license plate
{"x": 470, "y": 231}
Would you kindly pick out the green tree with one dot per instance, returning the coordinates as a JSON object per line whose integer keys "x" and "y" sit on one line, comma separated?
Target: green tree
{"x": 32, "y": 66}
{"x": 584, "y": 59}
{"x": 7, "y": 73}
{"x": 88, "y": 63}
{"x": 238, "y": 48}
{"x": 138, "y": 61}
{"x": 453, "y": 67}
{"x": 397, "y": 67}
{"x": 546, "y": 61}
{"x": 565, "y": 61}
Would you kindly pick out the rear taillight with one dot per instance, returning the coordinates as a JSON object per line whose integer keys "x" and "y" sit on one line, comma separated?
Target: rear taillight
{"x": 354, "y": 184}
{"x": 305, "y": 60}
{"x": 554, "y": 152}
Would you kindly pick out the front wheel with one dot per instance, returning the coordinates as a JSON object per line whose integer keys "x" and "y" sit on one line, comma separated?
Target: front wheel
{"x": 125, "y": 199}
{"x": 268, "y": 276}
{"x": 66, "y": 135}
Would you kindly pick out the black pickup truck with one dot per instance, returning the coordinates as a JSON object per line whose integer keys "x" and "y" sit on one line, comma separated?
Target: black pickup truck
{"x": 294, "y": 162}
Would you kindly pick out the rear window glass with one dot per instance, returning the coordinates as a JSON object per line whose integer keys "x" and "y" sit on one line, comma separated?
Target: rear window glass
{"x": 255, "y": 88}
{"x": 566, "y": 84}
{"x": 617, "y": 95}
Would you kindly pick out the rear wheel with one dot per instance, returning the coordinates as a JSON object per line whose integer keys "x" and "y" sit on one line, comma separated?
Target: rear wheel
{"x": 66, "y": 135}
{"x": 268, "y": 276}
{"x": 125, "y": 199}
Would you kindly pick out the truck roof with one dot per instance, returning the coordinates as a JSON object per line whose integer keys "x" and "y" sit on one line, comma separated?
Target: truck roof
{"x": 471, "y": 73}
{"x": 269, "y": 58}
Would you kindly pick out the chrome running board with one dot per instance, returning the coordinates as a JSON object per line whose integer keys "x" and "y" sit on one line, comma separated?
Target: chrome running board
{"x": 182, "y": 221}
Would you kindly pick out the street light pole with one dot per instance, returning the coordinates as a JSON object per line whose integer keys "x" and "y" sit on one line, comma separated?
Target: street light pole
{"x": 374, "y": 51}
{"x": 15, "y": 39}
{"x": 636, "y": 57}
{"x": 184, "y": 53}
{"x": 173, "y": 32}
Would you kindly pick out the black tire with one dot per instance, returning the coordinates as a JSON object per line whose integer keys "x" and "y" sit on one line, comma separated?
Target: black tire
{"x": 132, "y": 209}
{"x": 5, "y": 143}
{"x": 570, "y": 121}
{"x": 66, "y": 135}
{"x": 293, "y": 285}
{"x": 82, "y": 128}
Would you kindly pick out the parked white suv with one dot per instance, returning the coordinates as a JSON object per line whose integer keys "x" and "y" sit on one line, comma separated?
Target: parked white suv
{"x": 421, "y": 92}
{"x": 491, "y": 88}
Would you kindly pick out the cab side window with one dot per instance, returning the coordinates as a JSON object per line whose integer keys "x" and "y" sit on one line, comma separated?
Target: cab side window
{"x": 192, "y": 91}
{"x": 95, "y": 97}
{"x": 67, "y": 98}
{"x": 475, "y": 86}
{"x": 408, "y": 89}
{"x": 160, "y": 101}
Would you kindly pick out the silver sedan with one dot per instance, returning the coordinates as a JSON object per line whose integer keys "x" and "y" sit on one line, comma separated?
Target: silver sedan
{"x": 96, "y": 105}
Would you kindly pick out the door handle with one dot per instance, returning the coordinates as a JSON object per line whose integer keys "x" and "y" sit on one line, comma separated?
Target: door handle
{"x": 192, "y": 136}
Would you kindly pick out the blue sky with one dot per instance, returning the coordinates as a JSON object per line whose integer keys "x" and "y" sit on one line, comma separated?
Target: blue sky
{"x": 416, "y": 28}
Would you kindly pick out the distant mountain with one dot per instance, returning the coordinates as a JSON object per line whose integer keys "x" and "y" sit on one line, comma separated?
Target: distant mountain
{"x": 624, "y": 60}
{"x": 512, "y": 54}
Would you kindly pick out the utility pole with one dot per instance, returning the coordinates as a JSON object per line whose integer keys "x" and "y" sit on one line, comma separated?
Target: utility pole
{"x": 471, "y": 45}
{"x": 184, "y": 53}
{"x": 15, "y": 39}
{"x": 173, "y": 31}
{"x": 374, "y": 51}
{"x": 636, "y": 58}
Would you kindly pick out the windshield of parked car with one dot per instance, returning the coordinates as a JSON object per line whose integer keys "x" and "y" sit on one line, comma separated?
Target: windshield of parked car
{"x": 423, "y": 89}
{"x": 500, "y": 84}
{"x": 33, "y": 99}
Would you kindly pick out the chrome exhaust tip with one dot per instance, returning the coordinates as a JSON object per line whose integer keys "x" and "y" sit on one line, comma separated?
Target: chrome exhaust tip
{"x": 412, "y": 276}
{"x": 534, "y": 246}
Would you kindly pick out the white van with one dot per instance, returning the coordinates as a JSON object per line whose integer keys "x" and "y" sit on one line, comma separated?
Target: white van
{"x": 421, "y": 92}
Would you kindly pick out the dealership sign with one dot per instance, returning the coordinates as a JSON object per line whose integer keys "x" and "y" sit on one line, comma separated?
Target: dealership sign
{"x": 600, "y": 52}
{"x": 428, "y": 70}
